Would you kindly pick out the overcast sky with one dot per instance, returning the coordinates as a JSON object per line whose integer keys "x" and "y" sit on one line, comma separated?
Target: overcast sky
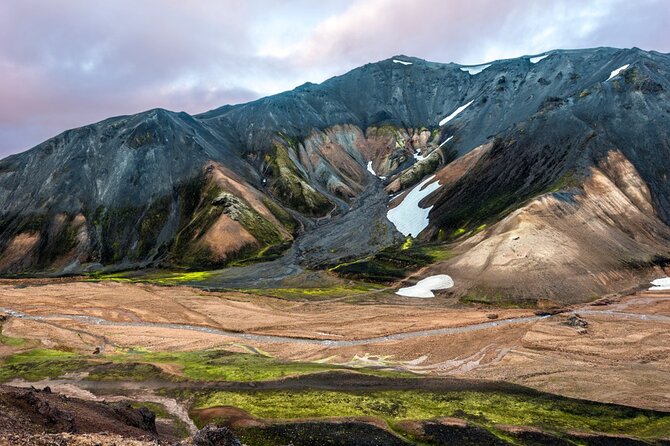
{"x": 66, "y": 63}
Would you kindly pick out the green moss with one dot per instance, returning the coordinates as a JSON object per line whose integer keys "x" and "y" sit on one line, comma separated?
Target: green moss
{"x": 316, "y": 293}
{"x": 497, "y": 300}
{"x": 486, "y": 408}
{"x": 392, "y": 263}
{"x": 10, "y": 341}
{"x": 221, "y": 365}
{"x": 130, "y": 371}
{"x": 285, "y": 218}
{"x": 39, "y": 364}
{"x": 290, "y": 187}
{"x": 156, "y": 277}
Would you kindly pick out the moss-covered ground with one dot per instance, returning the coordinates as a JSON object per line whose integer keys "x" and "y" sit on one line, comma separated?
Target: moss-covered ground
{"x": 318, "y": 293}
{"x": 139, "y": 365}
{"x": 155, "y": 277}
{"x": 393, "y": 263}
{"x": 548, "y": 412}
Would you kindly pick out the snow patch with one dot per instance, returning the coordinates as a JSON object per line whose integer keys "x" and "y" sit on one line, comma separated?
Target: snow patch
{"x": 424, "y": 288}
{"x": 616, "y": 72}
{"x": 476, "y": 69}
{"x": 454, "y": 114}
{"x": 408, "y": 217}
{"x": 660, "y": 284}
{"x": 370, "y": 169}
{"x": 418, "y": 156}
{"x": 401, "y": 62}
{"x": 536, "y": 59}
{"x": 445, "y": 141}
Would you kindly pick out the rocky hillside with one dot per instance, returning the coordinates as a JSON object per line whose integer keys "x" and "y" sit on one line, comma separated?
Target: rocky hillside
{"x": 553, "y": 165}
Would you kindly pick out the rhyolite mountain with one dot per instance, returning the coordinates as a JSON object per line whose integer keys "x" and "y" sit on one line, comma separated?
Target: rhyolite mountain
{"x": 551, "y": 171}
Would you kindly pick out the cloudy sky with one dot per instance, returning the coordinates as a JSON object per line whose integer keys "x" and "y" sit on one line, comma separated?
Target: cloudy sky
{"x": 66, "y": 63}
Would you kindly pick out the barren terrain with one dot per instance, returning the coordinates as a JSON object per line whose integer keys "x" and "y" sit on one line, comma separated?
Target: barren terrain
{"x": 616, "y": 354}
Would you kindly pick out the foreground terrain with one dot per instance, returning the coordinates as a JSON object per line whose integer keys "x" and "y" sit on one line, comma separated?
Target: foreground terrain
{"x": 276, "y": 364}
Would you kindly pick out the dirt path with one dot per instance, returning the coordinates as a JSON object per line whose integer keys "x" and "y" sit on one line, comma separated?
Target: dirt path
{"x": 92, "y": 320}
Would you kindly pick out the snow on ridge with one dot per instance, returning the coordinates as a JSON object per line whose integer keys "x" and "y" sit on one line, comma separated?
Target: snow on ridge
{"x": 454, "y": 114}
{"x": 408, "y": 217}
{"x": 402, "y": 62}
{"x": 616, "y": 72}
{"x": 536, "y": 59}
{"x": 475, "y": 69}
{"x": 662, "y": 284}
{"x": 424, "y": 288}
{"x": 446, "y": 141}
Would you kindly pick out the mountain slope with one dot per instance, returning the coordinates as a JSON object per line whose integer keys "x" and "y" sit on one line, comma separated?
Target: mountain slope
{"x": 539, "y": 143}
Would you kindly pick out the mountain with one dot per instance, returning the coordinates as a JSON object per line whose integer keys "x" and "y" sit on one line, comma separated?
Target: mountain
{"x": 552, "y": 167}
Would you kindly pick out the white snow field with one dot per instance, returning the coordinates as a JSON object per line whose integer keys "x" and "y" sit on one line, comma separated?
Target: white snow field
{"x": 408, "y": 217}
{"x": 370, "y": 169}
{"x": 401, "y": 62}
{"x": 476, "y": 69}
{"x": 424, "y": 288}
{"x": 616, "y": 72}
{"x": 662, "y": 284}
{"x": 536, "y": 59}
{"x": 454, "y": 114}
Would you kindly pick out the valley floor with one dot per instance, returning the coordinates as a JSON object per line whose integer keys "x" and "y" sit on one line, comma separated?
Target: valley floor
{"x": 181, "y": 347}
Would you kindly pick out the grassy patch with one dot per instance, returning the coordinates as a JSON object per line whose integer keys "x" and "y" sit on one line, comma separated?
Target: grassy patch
{"x": 316, "y": 293}
{"x": 486, "y": 408}
{"x": 131, "y": 371}
{"x": 38, "y": 364}
{"x": 220, "y": 365}
{"x": 11, "y": 341}
{"x": 497, "y": 300}
{"x": 140, "y": 365}
{"x": 159, "y": 278}
{"x": 393, "y": 263}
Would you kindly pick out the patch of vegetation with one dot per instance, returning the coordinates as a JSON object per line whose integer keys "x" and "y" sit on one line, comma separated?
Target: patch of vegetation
{"x": 497, "y": 300}
{"x": 131, "y": 371}
{"x": 284, "y": 217}
{"x": 167, "y": 278}
{"x": 289, "y": 185}
{"x": 38, "y": 364}
{"x": 552, "y": 413}
{"x": 315, "y": 293}
{"x": 222, "y": 365}
{"x": 392, "y": 263}
{"x": 11, "y": 341}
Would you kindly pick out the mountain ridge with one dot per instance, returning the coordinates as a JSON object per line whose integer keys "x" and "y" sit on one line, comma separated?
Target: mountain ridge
{"x": 241, "y": 182}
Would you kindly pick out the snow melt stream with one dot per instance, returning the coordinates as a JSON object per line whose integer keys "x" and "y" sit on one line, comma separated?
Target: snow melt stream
{"x": 424, "y": 288}
{"x": 408, "y": 217}
{"x": 454, "y": 114}
{"x": 616, "y": 72}
{"x": 660, "y": 284}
